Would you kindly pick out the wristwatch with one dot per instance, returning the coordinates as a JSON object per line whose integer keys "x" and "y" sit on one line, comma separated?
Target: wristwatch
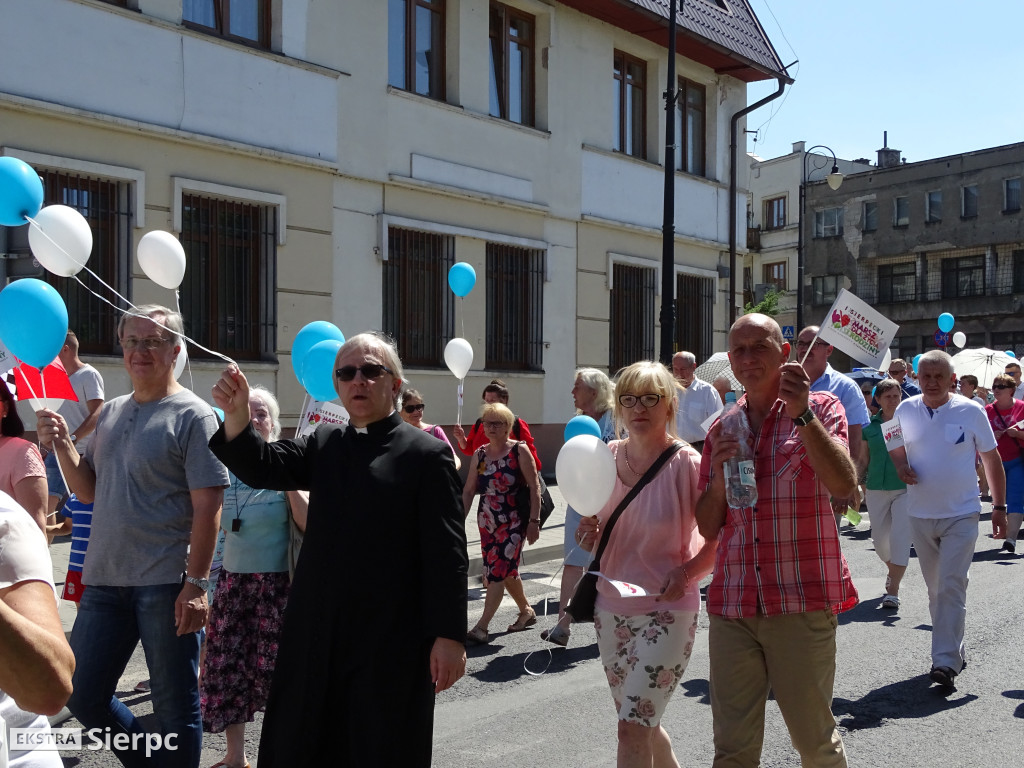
{"x": 999, "y": 507}
{"x": 804, "y": 418}
{"x": 203, "y": 584}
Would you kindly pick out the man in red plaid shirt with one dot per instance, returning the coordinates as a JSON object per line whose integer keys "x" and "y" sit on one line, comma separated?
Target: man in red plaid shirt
{"x": 780, "y": 577}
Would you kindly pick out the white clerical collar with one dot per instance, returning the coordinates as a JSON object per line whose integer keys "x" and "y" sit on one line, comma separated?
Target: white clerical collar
{"x": 364, "y": 430}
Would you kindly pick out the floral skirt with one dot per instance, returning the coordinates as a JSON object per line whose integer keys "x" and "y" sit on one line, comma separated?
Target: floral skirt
{"x": 644, "y": 659}
{"x": 241, "y": 647}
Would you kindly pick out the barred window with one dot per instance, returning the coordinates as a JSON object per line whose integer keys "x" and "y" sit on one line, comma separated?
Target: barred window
{"x": 228, "y": 297}
{"x": 515, "y": 308}
{"x": 631, "y": 330}
{"x": 964, "y": 276}
{"x": 897, "y": 282}
{"x": 418, "y": 307}
{"x": 695, "y": 323}
{"x": 107, "y": 206}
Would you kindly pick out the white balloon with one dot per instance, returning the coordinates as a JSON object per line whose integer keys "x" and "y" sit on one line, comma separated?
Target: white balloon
{"x": 162, "y": 258}
{"x": 585, "y": 469}
{"x": 179, "y": 363}
{"x": 65, "y": 242}
{"x": 458, "y": 356}
{"x": 960, "y": 339}
{"x": 884, "y": 367}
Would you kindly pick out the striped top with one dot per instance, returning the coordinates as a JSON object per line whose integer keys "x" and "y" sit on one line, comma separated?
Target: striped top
{"x": 783, "y": 554}
{"x": 81, "y": 525}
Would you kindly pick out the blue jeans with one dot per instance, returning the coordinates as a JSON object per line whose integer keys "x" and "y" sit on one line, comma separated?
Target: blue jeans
{"x": 54, "y": 480}
{"x": 110, "y": 622}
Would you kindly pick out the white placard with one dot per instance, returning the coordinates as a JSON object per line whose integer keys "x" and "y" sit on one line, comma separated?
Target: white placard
{"x": 893, "y": 434}
{"x": 317, "y": 413}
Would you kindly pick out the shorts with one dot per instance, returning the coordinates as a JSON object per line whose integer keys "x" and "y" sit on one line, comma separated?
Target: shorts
{"x": 54, "y": 480}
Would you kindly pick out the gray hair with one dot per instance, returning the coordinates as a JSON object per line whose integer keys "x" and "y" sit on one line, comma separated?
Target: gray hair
{"x": 172, "y": 320}
{"x": 598, "y": 381}
{"x": 383, "y": 344}
{"x": 264, "y": 394}
{"x": 936, "y": 357}
{"x": 688, "y": 357}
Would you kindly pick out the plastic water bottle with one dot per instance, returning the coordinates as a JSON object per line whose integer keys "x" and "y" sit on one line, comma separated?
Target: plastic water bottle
{"x": 740, "y": 484}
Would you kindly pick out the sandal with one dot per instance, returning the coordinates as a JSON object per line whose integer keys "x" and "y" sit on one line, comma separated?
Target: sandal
{"x": 556, "y": 635}
{"x": 891, "y": 601}
{"x": 525, "y": 620}
{"x": 477, "y": 636}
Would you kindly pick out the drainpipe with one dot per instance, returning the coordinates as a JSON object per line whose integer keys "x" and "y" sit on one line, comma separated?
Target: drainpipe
{"x": 732, "y": 193}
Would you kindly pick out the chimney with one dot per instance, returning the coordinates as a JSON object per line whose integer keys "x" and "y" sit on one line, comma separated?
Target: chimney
{"x": 798, "y": 147}
{"x": 888, "y": 158}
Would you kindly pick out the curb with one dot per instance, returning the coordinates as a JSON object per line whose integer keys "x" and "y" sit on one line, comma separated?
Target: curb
{"x": 539, "y": 554}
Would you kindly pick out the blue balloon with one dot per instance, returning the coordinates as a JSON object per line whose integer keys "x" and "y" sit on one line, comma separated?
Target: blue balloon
{"x": 33, "y": 321}
{"x": 581, "y": 425}
{"x": 461, "y": 278}
{"x": 1011, "y": 353}
{"x": 318, "y": 370}
{"x": 913, "y": 362}
{"x": 21, "y": 192}
{"x": 311, "y": 335}
{"x": 946, "y": 322}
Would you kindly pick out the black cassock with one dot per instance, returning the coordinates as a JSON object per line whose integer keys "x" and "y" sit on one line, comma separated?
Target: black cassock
{"x": 382, "y": 573}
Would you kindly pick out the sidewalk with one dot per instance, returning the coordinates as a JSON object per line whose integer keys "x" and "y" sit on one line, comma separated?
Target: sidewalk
{"x": 548, "y": 547}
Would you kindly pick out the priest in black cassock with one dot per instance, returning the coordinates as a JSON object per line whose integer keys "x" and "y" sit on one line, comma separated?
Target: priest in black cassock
{"x": 376, "y": 619}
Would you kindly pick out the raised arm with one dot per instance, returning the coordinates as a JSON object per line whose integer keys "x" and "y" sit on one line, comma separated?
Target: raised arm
{"x": 53, "y": 431}
{"x": 231, "y": 394}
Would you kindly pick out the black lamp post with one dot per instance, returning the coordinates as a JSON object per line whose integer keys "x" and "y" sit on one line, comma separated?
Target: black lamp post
{"x": 835, "y": 180}
{"x": 668, "y": 232}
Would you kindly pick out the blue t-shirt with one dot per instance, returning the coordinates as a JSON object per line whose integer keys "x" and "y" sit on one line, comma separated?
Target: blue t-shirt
{"x": 260, "y": 545}
{"x": 849, "y": 394}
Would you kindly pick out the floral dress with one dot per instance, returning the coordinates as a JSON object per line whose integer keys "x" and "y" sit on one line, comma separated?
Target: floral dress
{"x": 502, "y": 525}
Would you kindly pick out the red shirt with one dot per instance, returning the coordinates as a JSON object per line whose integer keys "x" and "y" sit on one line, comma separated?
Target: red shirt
{"x": 1009, "y": 447}
{"x": 476, "y": 438}
{"x": 782, "y": 555}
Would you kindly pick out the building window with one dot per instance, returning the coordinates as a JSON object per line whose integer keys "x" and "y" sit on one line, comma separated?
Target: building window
{"x": 897, "y": 282}
{"x": 1012, "y": 340}
{"x": 245, "y": 21}
{"x": 933, "y": 206}
{"x": 416, "y": 46}
{"x": 630, "y": 105}
{"x": 901, "y": 212}
{"x": 775, "y": 274}
{"x": 691, "y": 127}
{"x": 828, "y": 223}
{"x": 775, "y": 213}
{"x": 631, "y": 326}
{"x": 228, "y": 297}
{"x": 969, "y": 201}
{"x": 824, "y": 289}
{"x": 515, "y": 308}
{"x": 418, "y": 307}
{"x": 512, "y": 51}
{"x": 1018, "y": 271}
{"x": 1011, "y": 195}
{"x": 870, "y": 216}
{"x": 695, "y": 320}
{"x": 106, "y": 205}
{"x": 904, "y": 348}
{"x": 963, "y": 276}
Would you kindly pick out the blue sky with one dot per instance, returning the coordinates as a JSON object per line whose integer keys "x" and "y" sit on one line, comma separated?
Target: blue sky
{"x": 941, "y": 77}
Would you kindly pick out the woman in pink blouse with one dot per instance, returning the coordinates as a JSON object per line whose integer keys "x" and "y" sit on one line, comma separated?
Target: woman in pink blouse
{"x": 645, "y": 642}
{"x": 22, "y": 473}
{"x": 412, "y": 413}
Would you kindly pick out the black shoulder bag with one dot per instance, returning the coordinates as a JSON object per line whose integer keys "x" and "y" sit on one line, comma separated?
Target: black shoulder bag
{"x": 547, "y": 504}
{"x": 584, "y": 597}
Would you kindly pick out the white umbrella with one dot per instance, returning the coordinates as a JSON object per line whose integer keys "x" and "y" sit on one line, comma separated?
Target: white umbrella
{"x": 984, "y": 363}
{"x": 718, "y": 365}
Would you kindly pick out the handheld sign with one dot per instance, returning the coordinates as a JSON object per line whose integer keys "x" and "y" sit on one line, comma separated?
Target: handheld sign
{"x": 893, "y": 434}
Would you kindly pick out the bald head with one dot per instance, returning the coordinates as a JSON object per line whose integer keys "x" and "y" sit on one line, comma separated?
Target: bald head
{"x": 757, "y": 320}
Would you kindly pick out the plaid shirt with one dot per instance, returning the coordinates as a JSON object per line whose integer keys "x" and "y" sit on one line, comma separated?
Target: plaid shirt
{"x": 783, "y": 554}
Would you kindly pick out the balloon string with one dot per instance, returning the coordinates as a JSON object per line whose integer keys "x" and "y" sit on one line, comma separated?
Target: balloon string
{"x": 56, "y": 245}
{"x": 188, "y": 358}
{"x": 551, "y": 585}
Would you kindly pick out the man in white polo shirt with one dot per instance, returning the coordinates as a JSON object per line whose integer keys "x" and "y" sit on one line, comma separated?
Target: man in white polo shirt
{"x": 697, "y": 400}
{"x": 941, "y": 433}
{"x": 1013, "y": 369}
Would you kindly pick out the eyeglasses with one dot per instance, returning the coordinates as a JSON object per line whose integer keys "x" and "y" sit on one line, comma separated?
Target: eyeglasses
{"x": 150, "y": 344}
{"x": 805, "y": 344}
{"x": 413, "y": 408}
{"x": 495, "y": 425}
{"x": 370, "y": 371}
{"x": 1002, "y": 386}
{"x": 897, "y": 371}
{"x": 647, "y": 401}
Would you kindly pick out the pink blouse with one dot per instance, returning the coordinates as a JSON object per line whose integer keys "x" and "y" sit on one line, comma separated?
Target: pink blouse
{"x": 18, "y": 459}
{"x": 656, "y": 533}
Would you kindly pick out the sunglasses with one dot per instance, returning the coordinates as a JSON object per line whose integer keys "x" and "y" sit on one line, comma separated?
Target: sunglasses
{"x": 370, "y": 371}
{"x": 413, "y": 408}
{"x": 1002, "y": 386}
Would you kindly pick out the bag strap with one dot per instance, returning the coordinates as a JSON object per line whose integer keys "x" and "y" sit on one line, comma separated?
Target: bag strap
{"x": 668, "y": 453}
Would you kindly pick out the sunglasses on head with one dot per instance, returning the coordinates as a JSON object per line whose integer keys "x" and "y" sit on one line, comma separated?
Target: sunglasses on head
{"x": 370, "y": 371}
{"x": 413, "y": 408}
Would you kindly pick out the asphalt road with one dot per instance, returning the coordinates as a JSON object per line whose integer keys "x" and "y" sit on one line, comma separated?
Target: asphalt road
{"x": 889, "y": 713}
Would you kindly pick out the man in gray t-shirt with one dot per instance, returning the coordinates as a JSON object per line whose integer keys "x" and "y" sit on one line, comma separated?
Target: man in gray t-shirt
{"x": 157, "y": 490}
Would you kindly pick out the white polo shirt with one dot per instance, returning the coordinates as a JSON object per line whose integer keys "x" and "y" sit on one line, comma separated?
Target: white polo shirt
{"x": 941, "y": 445}
{"x": 696, "y": 403}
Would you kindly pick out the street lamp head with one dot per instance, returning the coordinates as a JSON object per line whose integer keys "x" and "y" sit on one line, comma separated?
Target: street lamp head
{"x": 835, "y": 178}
